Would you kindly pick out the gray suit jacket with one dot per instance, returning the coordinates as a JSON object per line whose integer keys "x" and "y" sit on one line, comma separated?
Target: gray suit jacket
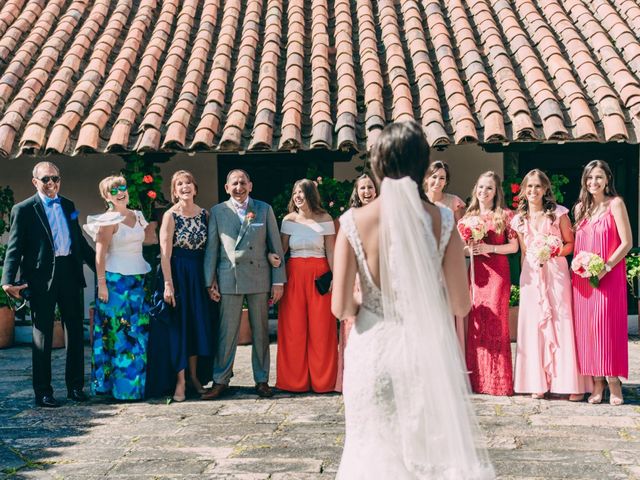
{"x": 237, "y": 253}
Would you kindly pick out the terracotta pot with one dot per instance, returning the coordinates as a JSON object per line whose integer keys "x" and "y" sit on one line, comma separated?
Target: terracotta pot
{"x": 244, "y": 336}
{"x": 58, "y": 335}
{"x": 513, "y": 323}
{"x": 7, "y": 326}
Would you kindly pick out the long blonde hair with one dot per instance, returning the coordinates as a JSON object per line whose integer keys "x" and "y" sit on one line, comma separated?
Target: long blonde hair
{"x": 498, "y": 208}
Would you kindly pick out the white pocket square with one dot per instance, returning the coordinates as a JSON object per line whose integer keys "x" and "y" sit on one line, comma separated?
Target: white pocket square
{"x": 257, "y": 225}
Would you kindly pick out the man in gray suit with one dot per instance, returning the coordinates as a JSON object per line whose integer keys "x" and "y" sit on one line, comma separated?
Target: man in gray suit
{"x": 242, "y": 232}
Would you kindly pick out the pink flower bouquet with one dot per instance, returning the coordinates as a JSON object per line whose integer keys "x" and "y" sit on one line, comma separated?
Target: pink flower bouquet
{"x": 588, "y": 265}
{"x": 472, "y": 228}
{"x": 543, "y": 248}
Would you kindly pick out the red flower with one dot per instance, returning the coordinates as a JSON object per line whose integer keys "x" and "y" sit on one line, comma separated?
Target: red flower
{"x": 152, "y": 195}
{"x": 515, "y": 188}
{"x": 147, "y": 179}
{"x": 250, "y": 216}
{"x": 514, "y": 204}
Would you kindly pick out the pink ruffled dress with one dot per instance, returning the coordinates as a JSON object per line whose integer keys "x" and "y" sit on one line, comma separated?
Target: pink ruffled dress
{"x": 546, "y": 359}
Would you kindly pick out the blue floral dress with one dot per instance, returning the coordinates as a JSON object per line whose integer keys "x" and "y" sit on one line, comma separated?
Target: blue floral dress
{"x": 121, "y": 329}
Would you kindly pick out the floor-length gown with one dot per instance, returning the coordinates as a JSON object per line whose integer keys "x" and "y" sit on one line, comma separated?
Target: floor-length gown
{"x": 455, "y": 204}
{"x": 601, "y": 313}
{"x": 488, "y": 349}
{"x": 374, "y": 438}
{"x": 191, "y": 327}
{"x": 121, "y": 330}
{"x": 546, "y": 359}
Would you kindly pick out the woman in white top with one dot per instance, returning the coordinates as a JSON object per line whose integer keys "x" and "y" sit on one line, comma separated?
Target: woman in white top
{"x": 121, "y": 329}
{"x": 307, "y": 331}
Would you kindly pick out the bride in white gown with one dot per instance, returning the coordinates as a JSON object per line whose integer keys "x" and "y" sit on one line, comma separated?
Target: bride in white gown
{"x": 406, "y": 394}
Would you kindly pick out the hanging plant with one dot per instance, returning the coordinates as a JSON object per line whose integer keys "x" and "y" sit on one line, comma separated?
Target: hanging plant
{"x": 144, "y": 183}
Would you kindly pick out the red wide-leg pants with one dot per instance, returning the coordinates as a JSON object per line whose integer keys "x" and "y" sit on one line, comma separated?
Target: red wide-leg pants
{"x": 307, "y": 333}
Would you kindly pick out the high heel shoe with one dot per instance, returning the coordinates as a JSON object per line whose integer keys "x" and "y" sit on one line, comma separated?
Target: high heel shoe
{"x": 537, "y": 396}
{"x": 179, "y": 398}
{"x": 615, "y": 398}
{"x": 596, "y": 396}
{"x": 576, "y": 397}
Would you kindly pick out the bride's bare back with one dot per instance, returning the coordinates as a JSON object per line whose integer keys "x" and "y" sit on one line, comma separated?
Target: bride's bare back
{"x": 367, "y": 221}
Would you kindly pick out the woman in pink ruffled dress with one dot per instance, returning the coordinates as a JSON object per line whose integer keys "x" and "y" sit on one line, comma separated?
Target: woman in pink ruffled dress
{"x": 364, "y": 192}
{"x": 436, "y": 181}
{"x": 602, "y": 227}
{"x": 546, "y": 359}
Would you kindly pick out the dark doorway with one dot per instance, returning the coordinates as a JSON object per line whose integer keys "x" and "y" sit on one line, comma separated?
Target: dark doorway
{"x": 271, "y": 173}
{"x": 570, "y": 159}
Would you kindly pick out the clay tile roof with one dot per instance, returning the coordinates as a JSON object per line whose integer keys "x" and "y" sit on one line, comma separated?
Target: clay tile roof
{"x": 268, "y": 75}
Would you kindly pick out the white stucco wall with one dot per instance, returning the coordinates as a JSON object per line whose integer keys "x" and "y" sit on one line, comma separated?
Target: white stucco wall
{"x": 466, "y": 163}
{"x": 81, "y": 175}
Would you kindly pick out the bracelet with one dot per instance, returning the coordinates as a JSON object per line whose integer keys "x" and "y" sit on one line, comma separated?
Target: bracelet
{"x": 101, "y": 277}
{"x": 494, "y": 249}
{"x": 607, "y": 267}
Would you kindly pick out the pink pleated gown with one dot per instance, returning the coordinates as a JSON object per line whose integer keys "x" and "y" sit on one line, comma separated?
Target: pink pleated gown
{"x": 546, "y": 359}
{"x": 601, "y": 313}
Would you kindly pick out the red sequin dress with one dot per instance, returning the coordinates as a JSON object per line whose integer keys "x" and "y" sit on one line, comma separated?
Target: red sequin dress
{"x": 488, "y": 348}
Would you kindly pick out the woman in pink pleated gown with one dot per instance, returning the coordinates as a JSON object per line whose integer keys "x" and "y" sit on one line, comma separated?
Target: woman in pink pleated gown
{"x": 602, "y": 227}
{"x": 546, "y": 359}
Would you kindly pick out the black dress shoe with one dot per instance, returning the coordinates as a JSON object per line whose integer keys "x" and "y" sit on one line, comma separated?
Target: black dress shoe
{"x": 77, "y": 395}
{"x": 47, "y": 402}
{"x": 264, "y": 390}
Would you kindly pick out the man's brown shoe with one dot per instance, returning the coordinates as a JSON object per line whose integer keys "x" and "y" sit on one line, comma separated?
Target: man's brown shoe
{"x": 264, "y": 390}
{"x": 215, "y": 392}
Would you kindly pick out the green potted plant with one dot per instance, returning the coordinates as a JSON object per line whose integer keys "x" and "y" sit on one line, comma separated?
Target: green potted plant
{"x": 632, "y": 261}
{"x": 7, "y": 315}
{"x": 514, "y": 309}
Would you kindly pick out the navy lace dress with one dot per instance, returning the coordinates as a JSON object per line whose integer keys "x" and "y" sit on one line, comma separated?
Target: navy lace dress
{"x": 191, "y": 326}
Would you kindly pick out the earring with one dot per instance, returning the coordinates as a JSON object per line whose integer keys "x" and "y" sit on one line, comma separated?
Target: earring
{"x": 606, "y": 189}
{"x": 109, "y": 205}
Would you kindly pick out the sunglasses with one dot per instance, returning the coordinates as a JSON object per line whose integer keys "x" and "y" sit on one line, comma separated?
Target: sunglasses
{"x": 120, "y": 188}
{"x": 53, "y": 178}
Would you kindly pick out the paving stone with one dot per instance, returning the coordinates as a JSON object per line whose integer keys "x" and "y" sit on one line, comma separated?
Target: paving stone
{"x": 290, "y": 436}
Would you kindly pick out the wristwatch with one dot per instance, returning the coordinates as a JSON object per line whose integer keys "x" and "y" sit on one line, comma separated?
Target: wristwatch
{"x": 607, "y": 268}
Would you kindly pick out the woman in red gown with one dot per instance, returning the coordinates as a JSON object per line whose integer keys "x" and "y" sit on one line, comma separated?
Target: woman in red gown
{"x": 488, "y": 348}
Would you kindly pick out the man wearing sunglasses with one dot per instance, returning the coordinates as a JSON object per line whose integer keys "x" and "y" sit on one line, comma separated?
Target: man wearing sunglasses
{"x": 47, "y": 246}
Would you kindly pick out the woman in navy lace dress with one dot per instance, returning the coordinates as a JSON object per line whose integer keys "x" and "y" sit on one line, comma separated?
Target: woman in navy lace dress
{"x": 183, "y": 236}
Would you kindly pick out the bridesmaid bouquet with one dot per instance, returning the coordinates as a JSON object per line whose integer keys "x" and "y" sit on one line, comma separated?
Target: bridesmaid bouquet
{"x": 472, "y": 228}
{"x": 543, "y": 248}
{"x": 588, "y": 265}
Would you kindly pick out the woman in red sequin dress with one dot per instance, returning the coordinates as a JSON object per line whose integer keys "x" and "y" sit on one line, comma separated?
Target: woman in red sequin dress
{"x": 488, "y": 348}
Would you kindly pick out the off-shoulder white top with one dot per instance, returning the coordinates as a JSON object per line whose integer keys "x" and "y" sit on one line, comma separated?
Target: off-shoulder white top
{"x": 307, "y": 239}
{"x": 125, "y": 250}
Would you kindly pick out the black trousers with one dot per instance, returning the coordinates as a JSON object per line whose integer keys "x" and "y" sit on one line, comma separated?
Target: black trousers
{"x": 66, "y": 292}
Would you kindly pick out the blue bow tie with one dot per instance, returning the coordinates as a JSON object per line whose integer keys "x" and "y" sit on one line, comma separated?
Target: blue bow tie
{"x": 50, "y": 201}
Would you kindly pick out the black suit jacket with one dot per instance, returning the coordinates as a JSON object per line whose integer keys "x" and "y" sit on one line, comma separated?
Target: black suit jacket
{"x": 31, "y": 249}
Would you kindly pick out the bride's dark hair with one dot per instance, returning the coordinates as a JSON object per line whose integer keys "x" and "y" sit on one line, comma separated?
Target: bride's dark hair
{"x": 401, "y": 151}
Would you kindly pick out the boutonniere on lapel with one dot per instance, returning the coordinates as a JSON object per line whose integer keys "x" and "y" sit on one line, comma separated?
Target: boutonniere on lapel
{"x": 250, "y": 217}
{"x": 74, "y": 215}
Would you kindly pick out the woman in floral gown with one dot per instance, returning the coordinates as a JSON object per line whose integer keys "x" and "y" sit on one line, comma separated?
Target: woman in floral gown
{"x": 488, "y": 348}
{"x": 121, "y": 329}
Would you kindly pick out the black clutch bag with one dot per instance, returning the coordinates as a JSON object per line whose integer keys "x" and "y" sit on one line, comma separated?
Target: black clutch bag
{"x": 323, "y": 282}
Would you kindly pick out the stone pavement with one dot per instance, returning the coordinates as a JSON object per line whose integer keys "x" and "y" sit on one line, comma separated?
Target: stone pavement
{"x": 289, "y": 437}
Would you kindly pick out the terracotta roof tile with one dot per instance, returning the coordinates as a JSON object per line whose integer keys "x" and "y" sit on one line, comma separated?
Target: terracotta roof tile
{"x": 268, "y": 74}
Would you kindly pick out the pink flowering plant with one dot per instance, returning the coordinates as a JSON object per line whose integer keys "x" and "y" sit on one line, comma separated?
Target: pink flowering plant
{"x": 588, "y": 265}
{"x": 543, "y": 248}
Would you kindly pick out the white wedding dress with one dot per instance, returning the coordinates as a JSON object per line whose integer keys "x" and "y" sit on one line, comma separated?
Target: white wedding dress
{"x": 406, "y": 395}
